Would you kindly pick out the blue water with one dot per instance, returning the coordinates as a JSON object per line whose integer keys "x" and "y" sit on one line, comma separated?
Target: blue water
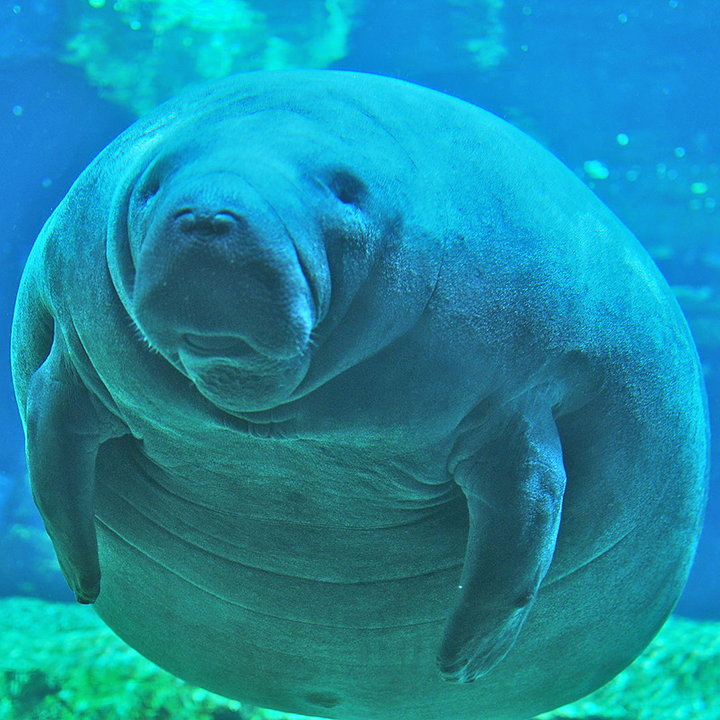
{"x": 633, "y": 85}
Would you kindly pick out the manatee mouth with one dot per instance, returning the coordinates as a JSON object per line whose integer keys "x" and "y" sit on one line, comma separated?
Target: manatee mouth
{"x": 215, "y": 344}
{"x": 237, "y": 378}
{"x": 234, "y": 348}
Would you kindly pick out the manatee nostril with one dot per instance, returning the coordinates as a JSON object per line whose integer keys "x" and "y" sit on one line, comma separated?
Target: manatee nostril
{"x": 204, "y": 225}
{"x": 222, "y": 223}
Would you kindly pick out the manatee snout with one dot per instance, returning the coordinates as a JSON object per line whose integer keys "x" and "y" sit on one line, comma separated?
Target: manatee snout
{"x": 220, "y": 289}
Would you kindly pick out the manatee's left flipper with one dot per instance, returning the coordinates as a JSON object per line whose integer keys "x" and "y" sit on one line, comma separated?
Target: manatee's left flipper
{"x": 514, "y": 489}
{"x": 63, "y": 437}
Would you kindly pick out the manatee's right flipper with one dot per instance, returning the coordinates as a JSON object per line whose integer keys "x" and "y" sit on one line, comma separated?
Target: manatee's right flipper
{"x": 514, "y": 489}
{"x": 63, "y": 437}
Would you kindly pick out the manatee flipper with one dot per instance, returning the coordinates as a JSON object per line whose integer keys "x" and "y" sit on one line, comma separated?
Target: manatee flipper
{"x": 514, "y": 495}
{"x": 63, "y": 437}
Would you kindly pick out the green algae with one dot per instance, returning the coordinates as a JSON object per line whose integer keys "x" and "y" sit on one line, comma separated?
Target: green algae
{"x": 479, "y": 25}
{"x": 59, "y": 662}
{"x": 678, "y": 676}
{"x": 141, "y": 52}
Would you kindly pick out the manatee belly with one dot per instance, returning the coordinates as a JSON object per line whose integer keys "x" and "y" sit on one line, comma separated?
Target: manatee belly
{"x": 345, "y": 621}
{"x": 309, "y": 618}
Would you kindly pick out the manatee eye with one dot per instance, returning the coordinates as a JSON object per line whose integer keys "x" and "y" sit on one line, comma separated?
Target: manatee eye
{"x": 347, "y": 188}
{"x": 149, "y": 187}
{"x": 153, "y": 177}
{"x": 139, "y": 213}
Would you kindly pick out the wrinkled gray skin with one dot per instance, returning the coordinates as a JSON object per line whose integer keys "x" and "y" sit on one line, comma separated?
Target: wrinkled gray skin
{"x": 341, "y": 394}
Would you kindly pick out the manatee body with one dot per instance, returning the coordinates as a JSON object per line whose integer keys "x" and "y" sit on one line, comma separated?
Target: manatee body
{"x": 344, "y": 397}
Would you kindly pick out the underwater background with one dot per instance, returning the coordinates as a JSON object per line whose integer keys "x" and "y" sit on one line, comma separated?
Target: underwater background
{"x": 625, "y": 92}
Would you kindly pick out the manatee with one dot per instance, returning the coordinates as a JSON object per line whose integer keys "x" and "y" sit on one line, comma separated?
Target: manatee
{"x": 344, "y": 397}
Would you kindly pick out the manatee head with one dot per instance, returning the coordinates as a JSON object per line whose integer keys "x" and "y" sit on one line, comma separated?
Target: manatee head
{"x": 221, "y": 288}
{"x": 239, "y": 243}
